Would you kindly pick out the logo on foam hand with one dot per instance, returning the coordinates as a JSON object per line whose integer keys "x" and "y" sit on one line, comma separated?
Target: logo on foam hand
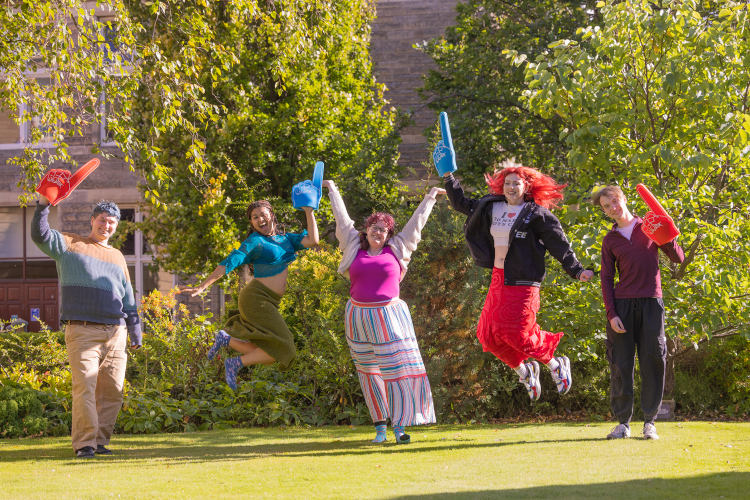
{"x": 650, "y": 225}
{"x": 60, "y": 178}
{"x": 441, "y": 151}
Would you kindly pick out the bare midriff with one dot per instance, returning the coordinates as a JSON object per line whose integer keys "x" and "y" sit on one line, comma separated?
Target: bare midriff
{"x": 500, "y": 252}
{"x": 277, "y": 282}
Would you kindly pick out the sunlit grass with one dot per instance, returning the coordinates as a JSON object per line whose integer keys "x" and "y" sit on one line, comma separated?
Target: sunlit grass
{"x": 691, "y": 460}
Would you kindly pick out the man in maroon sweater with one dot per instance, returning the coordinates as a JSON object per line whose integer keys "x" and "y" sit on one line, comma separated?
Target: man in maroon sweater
{"x": 635, "y": 312}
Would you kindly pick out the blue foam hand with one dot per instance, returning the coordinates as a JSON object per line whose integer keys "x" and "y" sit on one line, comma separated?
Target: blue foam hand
{"x": 444, "y": 155}
{"x": 305, "y": 194}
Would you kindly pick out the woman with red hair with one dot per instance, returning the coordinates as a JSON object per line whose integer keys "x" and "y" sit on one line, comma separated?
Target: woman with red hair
{"x": 378, "y": 325}
{"x": 509, "y": 231}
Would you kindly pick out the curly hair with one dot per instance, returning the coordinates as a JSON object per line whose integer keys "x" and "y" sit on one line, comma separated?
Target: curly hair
{"x": 542, "y": 189}
{"x": 385, "y": 218}
{"x": 277, "y": 228}
{"x": 106, "y": 207}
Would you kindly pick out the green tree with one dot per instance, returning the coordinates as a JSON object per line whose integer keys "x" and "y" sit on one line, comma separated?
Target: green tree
{"x": 480, "y": 89}
{"x": 89, "y": 54}
{"x": 659, "y": 95}
{"x": 276, "y": 121}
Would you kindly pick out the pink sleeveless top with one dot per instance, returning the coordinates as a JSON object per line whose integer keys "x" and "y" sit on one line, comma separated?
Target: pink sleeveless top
{"x": 374, "y": 279}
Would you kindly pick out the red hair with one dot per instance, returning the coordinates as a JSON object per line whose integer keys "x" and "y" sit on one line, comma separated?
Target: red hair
{"x": 540, "y": 188}
{"x": 386, "y": 219}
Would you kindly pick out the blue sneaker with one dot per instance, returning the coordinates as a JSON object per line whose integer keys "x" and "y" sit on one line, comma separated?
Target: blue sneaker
{"x": 221, "y": 340}
{"x": 562, "y": 376}
{"x": 401, "y": 436}
{"x": 232, "y": 366}
{"x": 533, "y": 386}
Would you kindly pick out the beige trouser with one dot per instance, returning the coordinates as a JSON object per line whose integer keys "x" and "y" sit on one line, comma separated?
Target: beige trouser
{"x": 97, "y": 363}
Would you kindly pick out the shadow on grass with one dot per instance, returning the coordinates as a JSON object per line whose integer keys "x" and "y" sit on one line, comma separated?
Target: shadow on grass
{"x": 211, "y": 446}
{"x": 720, "y": 485}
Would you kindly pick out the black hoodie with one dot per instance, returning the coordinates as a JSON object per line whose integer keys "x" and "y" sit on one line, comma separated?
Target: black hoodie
{"x": 535, "y": 231}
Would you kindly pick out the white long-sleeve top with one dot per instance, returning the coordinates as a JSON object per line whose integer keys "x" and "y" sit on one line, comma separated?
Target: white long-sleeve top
{"x": 402, "y": 244}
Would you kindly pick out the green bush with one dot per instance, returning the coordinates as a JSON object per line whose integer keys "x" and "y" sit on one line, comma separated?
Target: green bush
{"x": 21, "y": 413}
{"x": 715, "y": 379}
{"x": 40, "y": 351}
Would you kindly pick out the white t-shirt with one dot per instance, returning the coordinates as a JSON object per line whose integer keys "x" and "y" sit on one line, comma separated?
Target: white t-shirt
{"x": 503, "y": 218}
{"x": 626, "y": 231}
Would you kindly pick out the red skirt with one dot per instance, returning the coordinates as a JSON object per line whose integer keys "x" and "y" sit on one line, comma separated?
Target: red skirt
{"x": 507, "y": 327}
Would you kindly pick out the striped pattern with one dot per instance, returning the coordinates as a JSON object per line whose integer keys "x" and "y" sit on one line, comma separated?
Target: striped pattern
{"x": 94, "y": 279}
{"x": 390, "y": 368}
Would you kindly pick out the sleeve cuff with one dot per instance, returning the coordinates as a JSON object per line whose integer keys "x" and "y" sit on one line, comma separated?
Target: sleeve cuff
{"x": 135, "y": 334}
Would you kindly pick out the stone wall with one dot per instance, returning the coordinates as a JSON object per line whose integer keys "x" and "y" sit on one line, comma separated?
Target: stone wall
{"x": 399, "y": 25}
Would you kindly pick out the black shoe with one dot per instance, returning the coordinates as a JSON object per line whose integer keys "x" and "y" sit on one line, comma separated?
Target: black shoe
{"x": 101, "y": 450}
{"x": 85, "y": 452}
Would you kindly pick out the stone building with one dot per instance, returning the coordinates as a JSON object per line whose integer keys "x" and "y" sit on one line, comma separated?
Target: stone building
{"x": 28, "y": 278}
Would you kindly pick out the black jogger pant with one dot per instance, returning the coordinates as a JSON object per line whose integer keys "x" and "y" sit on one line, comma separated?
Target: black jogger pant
{"x": 644, "y": 331}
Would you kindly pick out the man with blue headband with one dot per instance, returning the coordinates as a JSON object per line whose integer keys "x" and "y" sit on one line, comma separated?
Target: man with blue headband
{"x": 99, "y": 308}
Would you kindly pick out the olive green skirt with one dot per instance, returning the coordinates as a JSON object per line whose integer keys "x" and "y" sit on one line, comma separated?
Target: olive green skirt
{"x": 259, "y": 321}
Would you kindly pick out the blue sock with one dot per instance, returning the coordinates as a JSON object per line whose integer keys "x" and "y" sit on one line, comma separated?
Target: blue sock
{"x": 401, "y": 436}
{"x": 231, "y": 367}
{"x": 380, "y": 435}
{"x": 221, "y": 340}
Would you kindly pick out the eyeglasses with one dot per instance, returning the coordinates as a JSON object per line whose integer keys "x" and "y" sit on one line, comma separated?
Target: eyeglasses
{"x": 378, "y": 229}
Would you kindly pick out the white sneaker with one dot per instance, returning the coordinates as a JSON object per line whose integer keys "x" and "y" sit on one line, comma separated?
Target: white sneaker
{"x": 620, "y": 431}
{"x": 562, "y": 376}
{"x": 533, "y": 386}
{"x": 649, "y": 431}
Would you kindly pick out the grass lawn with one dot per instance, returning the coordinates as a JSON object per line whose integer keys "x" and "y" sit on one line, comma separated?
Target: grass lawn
{"x": 691, "y": 460}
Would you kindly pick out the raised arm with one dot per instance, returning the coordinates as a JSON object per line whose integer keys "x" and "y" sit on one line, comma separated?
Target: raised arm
{"x": 459, "y": 201}
{"x": 345, "y": 231}
{"x": 47, "y": 239}
{"x": 405, "y": 242}
{"x": 312, "y": 238}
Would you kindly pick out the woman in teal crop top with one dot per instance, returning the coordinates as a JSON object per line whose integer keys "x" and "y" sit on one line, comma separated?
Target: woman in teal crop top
{"x": 257, "y": 329}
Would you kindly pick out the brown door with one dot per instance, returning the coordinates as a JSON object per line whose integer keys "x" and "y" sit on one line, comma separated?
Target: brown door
{"x": 11, "y": 301}
{"x": 31, "y": 298}
{"x": 41, "y": 300}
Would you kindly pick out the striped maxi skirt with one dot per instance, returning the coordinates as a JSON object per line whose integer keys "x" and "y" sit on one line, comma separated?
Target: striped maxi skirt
{"x": 389, "y": 365}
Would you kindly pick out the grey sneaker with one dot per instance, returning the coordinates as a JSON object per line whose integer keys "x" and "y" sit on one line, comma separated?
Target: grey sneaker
{"x": 649, "y": 431}
{"x": 619, "y": 432}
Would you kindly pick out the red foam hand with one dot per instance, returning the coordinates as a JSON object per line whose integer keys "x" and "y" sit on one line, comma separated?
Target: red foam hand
{"x": 57, "y": 184}
{"x": 660, "y": 229}
{"x": 650, "y": 200}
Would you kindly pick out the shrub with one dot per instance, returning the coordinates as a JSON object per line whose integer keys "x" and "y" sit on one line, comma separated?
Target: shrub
{"x": 21, "y": 413}
{"x": 40, "y": 351}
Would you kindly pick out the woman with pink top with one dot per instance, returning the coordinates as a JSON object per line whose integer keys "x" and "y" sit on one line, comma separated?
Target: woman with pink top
{"x": 378, "y": 325}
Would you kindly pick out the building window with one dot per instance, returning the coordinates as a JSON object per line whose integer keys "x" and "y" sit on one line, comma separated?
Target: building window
{"x": 144, "y": 275}
{"x": 20, "y": 259}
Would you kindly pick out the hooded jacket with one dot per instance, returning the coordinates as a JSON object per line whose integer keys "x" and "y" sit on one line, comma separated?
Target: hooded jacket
{"x": 535, "y": 232}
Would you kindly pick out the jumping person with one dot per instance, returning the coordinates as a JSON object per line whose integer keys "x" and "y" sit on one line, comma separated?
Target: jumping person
{"x": 635, "y": 312}
{"x": 99, "y": 309}
{"x": 378, "y": 325}
{"x": 510, "y": 231}
{"x": 258, "y": 330}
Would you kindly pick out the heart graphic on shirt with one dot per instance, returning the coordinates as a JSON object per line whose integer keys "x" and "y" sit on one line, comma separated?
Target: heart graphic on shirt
{"x": 512, "y": 215}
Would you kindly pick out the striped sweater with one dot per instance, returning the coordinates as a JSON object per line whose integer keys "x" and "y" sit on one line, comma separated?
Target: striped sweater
{"x": 94, "y": 278}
